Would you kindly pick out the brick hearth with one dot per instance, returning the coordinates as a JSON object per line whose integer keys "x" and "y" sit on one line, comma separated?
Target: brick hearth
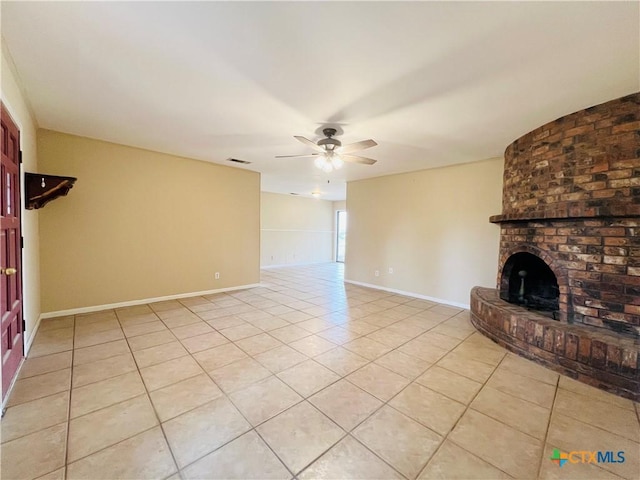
{"x": 592, "y": 355}
{"x": 571, "y": 197}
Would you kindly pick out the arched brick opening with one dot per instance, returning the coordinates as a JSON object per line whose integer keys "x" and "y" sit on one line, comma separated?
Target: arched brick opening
{"x": 512, "y": 258}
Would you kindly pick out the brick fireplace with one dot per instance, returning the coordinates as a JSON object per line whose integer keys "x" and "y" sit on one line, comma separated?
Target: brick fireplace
{"x": 569, "y": 267}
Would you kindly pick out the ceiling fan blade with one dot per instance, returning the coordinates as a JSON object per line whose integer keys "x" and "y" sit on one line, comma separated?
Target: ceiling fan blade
{"x": 298, "y": 156}
{"x": 309, "y": 143}
{"x": 354, "y": 147}
{"x": 356, "y": 159}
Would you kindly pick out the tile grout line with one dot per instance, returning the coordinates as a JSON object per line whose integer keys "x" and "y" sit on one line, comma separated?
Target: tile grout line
{"x": 253, "y": 428}
{"x": 347, "y": 433}
{"x": 607, "y": 404}
{"x": 66, "y": 447}
{"x": 467, "y": 408}
{"x": 106, "y": 378}
{"x": 117, "y": 443}
{"x": 148, "y": 396}
{"x": 99, "y": 409}
{"x": 411, "y": 380}
{"x": 38, "y": 429}
{"x": 228, "y": 398}
{"x": 50, "y": 426}
{"x": 444, "y": 437}
{"x": 558, "y": 388}
{"x": 546, "y": 433}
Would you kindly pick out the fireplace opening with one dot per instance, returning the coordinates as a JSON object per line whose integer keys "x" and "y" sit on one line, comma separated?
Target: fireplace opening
{"x": 528, "y": 281}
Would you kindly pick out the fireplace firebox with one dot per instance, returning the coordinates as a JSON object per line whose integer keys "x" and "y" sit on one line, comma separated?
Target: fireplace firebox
{"x": 529, "y": 282}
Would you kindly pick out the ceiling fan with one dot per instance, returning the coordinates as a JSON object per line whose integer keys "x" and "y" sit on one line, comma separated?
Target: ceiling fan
{"x": 330, "y": 154}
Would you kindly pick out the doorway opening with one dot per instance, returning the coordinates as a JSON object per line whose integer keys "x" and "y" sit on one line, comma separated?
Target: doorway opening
{"x": 341, "y": 236}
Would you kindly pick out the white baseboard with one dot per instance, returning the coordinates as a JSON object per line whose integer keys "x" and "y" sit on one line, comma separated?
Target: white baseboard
{"x": 268, "y": 267}
{"x": 466, "y": 306}
{"x": 29, "y": 342}
{"x": 143, "y": 301}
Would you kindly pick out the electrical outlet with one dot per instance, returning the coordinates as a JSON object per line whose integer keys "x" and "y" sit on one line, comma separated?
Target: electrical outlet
{"x": 217, "y": 275}
{"x": 391, "y": 270}
{"x": 377, "y": 273}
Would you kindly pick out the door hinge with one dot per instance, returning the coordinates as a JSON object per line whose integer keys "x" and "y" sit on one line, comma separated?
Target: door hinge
{"x": 24, "y": 325}
{"x": 21, "y": 242}
{"x": 20, "y": 156}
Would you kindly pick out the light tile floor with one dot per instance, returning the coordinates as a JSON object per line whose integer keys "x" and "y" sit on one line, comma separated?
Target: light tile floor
{"x": 305, "y": 377}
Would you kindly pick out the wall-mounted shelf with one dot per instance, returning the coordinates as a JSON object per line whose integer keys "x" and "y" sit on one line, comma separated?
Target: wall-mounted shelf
{"x": 40, "y": 189}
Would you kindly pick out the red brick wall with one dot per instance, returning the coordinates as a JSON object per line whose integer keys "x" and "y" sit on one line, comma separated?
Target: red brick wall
{"x": 586, "y": 164}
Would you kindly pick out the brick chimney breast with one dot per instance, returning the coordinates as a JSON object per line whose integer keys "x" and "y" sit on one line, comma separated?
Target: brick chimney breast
{"x": 571, "y": 198}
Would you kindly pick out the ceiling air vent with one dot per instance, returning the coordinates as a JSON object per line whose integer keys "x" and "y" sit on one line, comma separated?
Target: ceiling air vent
{"x": 235, "y": 160}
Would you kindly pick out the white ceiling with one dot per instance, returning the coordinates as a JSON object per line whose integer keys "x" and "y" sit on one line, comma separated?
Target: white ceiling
{"x": 434, "y": 83}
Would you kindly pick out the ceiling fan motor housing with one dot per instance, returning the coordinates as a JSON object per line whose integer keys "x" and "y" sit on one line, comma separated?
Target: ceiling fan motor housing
{"x": 331, "y": 143}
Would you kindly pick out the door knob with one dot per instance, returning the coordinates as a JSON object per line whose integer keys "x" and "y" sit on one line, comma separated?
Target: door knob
{"x": 9, "y": 271}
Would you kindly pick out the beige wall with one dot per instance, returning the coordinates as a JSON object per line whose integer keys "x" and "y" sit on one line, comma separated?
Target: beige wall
{"x": 140, "y": 224}
{"x": 432, "y": 227}
{"x": 295, "y": 230}
{"x": 16, "y": 103}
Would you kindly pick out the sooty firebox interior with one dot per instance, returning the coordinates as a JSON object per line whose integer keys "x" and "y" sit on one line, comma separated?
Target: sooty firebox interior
{"x": 528, "y": 281}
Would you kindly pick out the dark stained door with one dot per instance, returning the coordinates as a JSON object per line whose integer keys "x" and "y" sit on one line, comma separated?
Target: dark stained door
{"x": 10, "y": 260}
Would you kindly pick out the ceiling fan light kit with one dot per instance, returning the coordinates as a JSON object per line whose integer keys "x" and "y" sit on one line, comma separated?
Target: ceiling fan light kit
{"x": 329, "y": 153}
{"x": 328, "y": 162}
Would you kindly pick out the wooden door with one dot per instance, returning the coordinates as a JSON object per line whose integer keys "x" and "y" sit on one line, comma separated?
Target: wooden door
{"x": 10, "y": 252}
